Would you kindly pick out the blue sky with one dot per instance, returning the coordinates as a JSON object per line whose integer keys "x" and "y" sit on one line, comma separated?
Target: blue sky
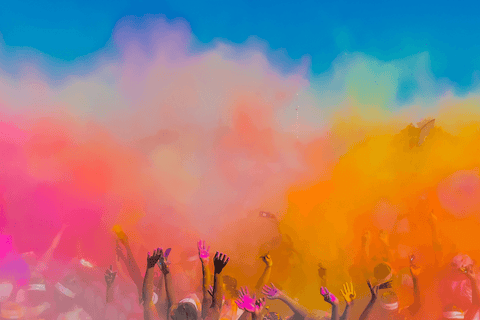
{"x": 448, "y": 31}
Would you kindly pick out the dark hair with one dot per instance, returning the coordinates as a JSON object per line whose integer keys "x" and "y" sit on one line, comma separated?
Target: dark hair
{"x": 185, "y": 311}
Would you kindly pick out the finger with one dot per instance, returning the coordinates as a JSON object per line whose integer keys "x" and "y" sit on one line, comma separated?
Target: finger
{"x": 343, "y": 293}
{"x": 351, "y": 285}
{"x": 369, "y": 284}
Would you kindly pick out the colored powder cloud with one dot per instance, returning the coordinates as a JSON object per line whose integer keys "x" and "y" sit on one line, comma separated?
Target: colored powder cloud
{"x": 176, "y": 142}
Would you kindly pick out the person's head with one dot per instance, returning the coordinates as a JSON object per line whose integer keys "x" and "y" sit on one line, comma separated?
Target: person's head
{"x": 185, "y": 311}
{"x": 451, "y": 311}
{"x": 389, "y": 302}
{"x": 461, "y": 261}
{"x": 66, "y": 290}
{"x": 383, "y": 272}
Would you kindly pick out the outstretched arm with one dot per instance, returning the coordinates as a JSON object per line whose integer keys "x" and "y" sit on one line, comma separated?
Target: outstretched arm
{"x": 373, "y": 299}
{"x": 167, "y": 276}
{"x": 204, "y": 255}
{"x": 266, "y": 273}
{"x": 149, "y": 310}
{"x": 219, "y": 262}
{"x": 47, "y": 257}
{"x": 109, "y": 280}
{"x": 272, "y": 293}
{"x": 132, "y": 266}
{"x": 250, "y": 305}
{"x": 349, "y": 295}
{"x": 415, "y": 271}
{"x": 332, "y": 300}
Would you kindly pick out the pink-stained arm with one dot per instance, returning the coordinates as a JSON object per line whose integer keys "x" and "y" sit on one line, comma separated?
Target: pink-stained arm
{"x": 332, "y": 300}
{"x": 204, "y": 255}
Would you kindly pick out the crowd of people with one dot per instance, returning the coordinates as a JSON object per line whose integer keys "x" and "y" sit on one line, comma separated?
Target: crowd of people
{"x": 40, "y": 288}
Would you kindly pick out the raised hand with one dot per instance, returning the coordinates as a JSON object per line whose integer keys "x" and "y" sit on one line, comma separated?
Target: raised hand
{"x": 203, "y": 251}
{"x": 328, "y": 297}
{"x": 271, "y": 292}
{"x": 110, "y": 276}
{"x": 268, "y": 260}
{"x": 348, "y": 293}
{"x": 245, "y": 301}
{"x": 220, "y": 261}
{"x": 259, "y": 305}
{"x": 414, "y": 269}
{"x": 163, "y": 262}
{"x": 373, "y": 291}
{"x": 154, "y": 258}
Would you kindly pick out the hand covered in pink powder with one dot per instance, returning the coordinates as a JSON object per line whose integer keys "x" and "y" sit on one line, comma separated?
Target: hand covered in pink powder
{"x": 245, "y": 301}
{"x": 271, "y": 292}
{"x": 203, "y": 251}
{"x": 328, "y": 297}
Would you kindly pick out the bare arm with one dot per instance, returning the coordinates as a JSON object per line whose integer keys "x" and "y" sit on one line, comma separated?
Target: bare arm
{"x": 149, "y": 311}
{"x": 332, "y": 300}
{"x": 220, "y": 261}
{"x": 47, "y": 257}
{"x": 109, "y": 279}
{"x": 204, "y": 255}
{"x": 415, "y": 271}
{"x": 132, "y": 266}
{"x": 266, "y": 273}
{"x": 167, "y": 276}
{"x": 349, "y": 295}
{"x": 369, "y": 307}
{"x": 272, "y": 293}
